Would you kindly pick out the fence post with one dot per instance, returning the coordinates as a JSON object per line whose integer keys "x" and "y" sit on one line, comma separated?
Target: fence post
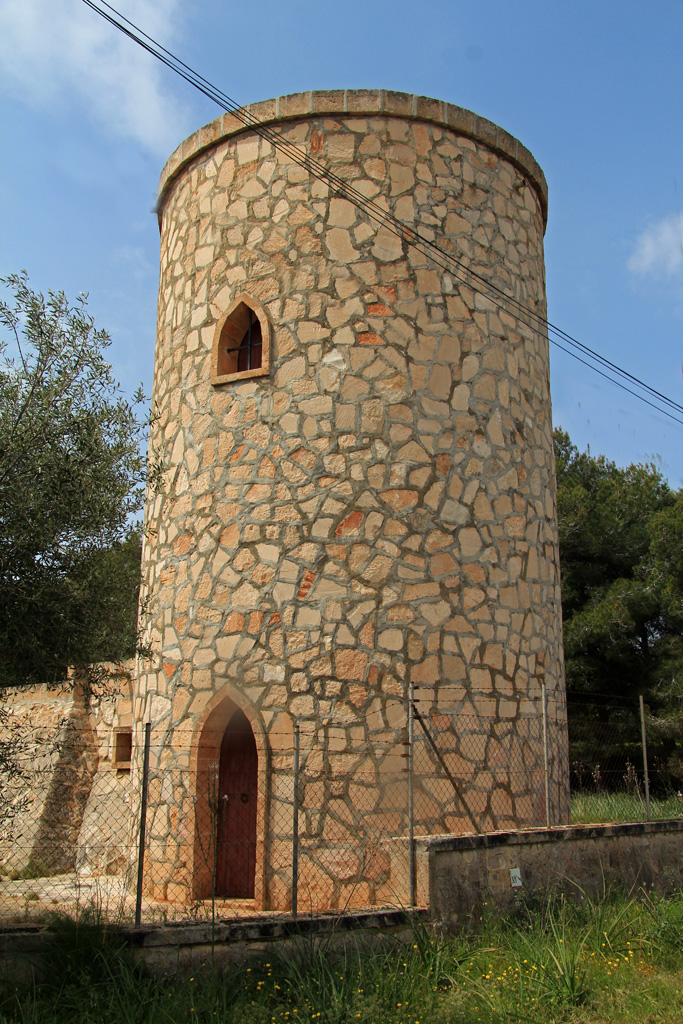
{"x": 546, "y": 753}
{"x": 645, "y": 769}
{"x": 143, "y": 825}
{"x": 295, "y": 825}
{"x": 411, "y": 792}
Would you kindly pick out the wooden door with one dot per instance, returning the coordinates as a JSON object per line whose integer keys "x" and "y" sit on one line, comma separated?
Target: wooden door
{"x": 237, "y": 797}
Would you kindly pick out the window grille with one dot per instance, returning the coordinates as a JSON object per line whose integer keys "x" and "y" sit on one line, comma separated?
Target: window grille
{"x": 249, "y": 353}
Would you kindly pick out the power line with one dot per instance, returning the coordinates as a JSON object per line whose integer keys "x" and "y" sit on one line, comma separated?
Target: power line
{"x": 446, "y": 261}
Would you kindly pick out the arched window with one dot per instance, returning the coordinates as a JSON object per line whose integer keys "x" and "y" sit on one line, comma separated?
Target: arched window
{"x": 241, "y": 346}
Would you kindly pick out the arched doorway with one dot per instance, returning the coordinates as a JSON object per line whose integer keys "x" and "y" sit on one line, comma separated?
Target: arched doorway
{"x": 236, "y": 817}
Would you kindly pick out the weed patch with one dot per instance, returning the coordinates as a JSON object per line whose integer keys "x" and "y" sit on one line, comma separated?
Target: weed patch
{"x": 551, "y": 961}
{"x": 602, "y": 806}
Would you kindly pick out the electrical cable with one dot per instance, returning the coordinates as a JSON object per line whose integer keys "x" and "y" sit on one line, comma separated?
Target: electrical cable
{"x": 320, "y": 171}
{"x": 446, "y": 261}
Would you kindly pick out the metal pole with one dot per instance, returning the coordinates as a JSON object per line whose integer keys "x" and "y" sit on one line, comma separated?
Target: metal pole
{"x": 645, "y": 771}
{"x": 143, "y": 824}
{"x": 295, "y": 824}
{"x": 546, "y": 753}
{"x": 411, "y": 792}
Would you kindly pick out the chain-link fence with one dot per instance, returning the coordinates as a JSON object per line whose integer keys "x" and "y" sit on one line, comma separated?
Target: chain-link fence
{"x": 314, "y": 819}
{"x": 625, "y": 764}
{"x": 66, "y": 837}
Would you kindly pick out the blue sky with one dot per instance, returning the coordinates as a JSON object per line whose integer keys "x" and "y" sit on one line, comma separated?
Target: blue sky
{"x": 592, "y": 87}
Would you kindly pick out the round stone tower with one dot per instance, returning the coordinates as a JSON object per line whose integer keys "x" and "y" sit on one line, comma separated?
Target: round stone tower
{"x": 357, "y": 499}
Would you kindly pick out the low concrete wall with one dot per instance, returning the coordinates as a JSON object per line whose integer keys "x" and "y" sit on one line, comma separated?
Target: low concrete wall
{"x": 463, "y": 874}
{"x": 182, "y": 949}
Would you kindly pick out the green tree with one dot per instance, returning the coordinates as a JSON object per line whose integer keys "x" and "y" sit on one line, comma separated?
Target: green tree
{"x": 621, "y": 538}
{"x": 612, "y": 600}
{"x": 71, "y": 481}
{"x": 665, "y": 569}
{"x": 666, "y": 551}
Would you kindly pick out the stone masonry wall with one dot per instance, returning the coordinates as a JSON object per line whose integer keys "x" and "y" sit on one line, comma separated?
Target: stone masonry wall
{"x": 379, "y": 509}
{"x": 49, "y": 748}
{"x": 68, "y": 808}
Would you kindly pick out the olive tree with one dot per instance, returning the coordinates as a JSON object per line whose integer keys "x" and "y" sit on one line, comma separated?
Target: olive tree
{"x": 71, "y": 483}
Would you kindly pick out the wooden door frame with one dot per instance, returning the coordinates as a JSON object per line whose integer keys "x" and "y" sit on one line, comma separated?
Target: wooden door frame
{"x": 205, "y": 752}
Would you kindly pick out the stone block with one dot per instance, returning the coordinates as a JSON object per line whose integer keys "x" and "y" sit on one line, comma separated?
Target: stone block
{"x": 329, "y": 101}
{"x": 398, "y": 103}
{"x": 295, "y": 105}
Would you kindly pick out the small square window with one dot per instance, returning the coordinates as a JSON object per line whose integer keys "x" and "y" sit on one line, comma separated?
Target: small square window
{"x": 123, "y": 748}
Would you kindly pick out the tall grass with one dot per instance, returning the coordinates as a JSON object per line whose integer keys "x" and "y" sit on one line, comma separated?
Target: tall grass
{"x": 618, "y": 958}
{"x": 600, "y": 807}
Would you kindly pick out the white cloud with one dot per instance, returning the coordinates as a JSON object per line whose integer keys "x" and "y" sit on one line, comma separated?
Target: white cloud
{"x": 57, "y": 53}
{"x": 135, "y": 259}
{"x": 659, "y": 250}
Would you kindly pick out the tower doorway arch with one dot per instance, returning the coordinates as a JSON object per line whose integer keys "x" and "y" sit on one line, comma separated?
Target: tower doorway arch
{"x": 236, "y": 817}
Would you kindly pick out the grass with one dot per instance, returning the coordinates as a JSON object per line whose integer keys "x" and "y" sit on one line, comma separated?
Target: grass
{"x": 617, "y": 959}
{"x": 591, "y": 808}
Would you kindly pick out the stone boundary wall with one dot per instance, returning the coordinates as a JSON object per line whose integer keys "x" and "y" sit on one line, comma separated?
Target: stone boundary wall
{"x": 458, "y": 875}
{"x": 39, "y": 721}
{"x": 69, "y": 808}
